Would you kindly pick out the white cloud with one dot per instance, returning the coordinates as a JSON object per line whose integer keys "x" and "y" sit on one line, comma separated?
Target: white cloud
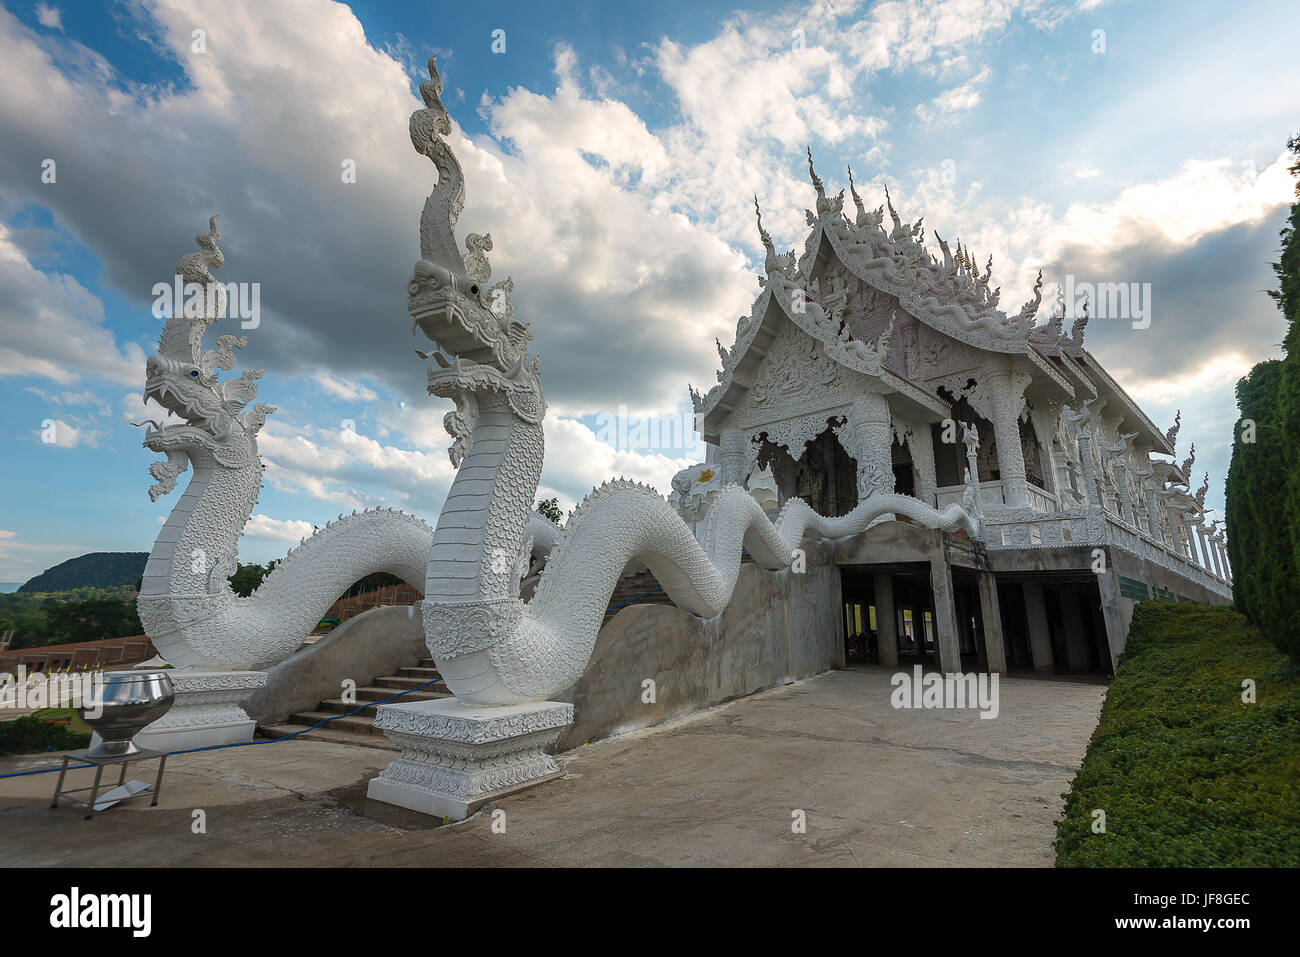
{"x": 61, "y": 435}
{"x": 959, "y": 99}
{"x": 54, "y": 326}
{"x": 352, "y": 470}
{"x": 49, "y": 16}
{"x": 83, "y": 398}
{"x": 1216, "y": 374}
{"x": 358, "y": 471}
{"x": 1204, "y": 196}
{"x": 346, "y": 389}
{"x": 576, "y": 461}
{"x": 274, "y": 529}
{"x": 20, "y": 560}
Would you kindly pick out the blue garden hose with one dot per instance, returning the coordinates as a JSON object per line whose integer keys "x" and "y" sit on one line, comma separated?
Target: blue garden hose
{"x": 634, "y": 598}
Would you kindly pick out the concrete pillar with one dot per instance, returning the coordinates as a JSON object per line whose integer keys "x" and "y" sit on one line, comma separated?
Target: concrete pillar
{"x": 1040, "y": 638}
{"x": 1091, "y": 488}
{"x": 731, "y": 456}
{"x": 1112, "y": 612}
{"x": 945, "y": 618}
{"x": 1167, "y": 534}
{"x": 1121, "y": 488}
{"x": 1179, "y": 532}
{"x": 1006, "y": 390}
{"x": 869, "y": 438}
{"x": 1216, "y": 563}
{"x": 1223, "y": 556}
{"x": 991, "y": 612}
{"x": 1076, "y": 639}
{"x": 921, "y": 446}
{"x": 886, "y": 620}
{"x": 1204, "y": 539}
{"x": 1153, "y": 514}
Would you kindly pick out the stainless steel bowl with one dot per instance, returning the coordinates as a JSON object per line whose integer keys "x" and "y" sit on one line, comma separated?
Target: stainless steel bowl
{"x": 131, "y": 700}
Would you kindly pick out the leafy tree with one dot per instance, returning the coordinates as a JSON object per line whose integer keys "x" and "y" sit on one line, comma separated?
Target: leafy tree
{"x": 92, "y": 620}
{"x": 550, "y": 508}
{"x": 1263, "y": 488}
{"x": 248, "y": 577}
{"x": 373, "y": 582}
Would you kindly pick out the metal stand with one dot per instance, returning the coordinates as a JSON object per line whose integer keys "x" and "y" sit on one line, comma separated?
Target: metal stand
{"x": 99, "y": 761}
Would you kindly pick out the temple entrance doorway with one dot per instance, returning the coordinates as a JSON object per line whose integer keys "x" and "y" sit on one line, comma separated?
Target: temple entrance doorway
{"x": 913, "y": 613}
{"x": 825, "y": 476}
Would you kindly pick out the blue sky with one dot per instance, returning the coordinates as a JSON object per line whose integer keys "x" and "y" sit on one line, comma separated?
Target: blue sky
{"x": 612, "y": 151}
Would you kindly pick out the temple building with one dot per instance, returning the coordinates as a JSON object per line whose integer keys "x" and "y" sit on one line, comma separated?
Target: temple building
{"x": 867, "y": 365}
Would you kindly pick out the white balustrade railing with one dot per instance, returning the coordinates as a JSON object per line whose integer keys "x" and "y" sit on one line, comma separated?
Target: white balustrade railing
{"x": 990, "y": 493}
{"x": 1044, "y": 523}
{"x": 1024, "y": 528}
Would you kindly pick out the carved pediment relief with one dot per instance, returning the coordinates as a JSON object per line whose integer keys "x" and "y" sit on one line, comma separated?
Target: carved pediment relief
{"x": 940, "y": 356}
{"x": 795, "y": 370}
{"x": 866, "y": 312}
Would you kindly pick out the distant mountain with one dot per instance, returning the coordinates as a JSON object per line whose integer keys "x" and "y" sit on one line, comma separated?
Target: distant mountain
{"x": 96, "y": 570}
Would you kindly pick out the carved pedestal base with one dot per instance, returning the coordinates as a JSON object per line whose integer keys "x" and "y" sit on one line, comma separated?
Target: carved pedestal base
{"x": 457, "y": 757}
{"x": 207, "y": 711}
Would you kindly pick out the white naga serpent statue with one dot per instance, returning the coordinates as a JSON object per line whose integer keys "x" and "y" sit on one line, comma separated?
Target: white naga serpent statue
{"x": 186, "y": 602}
{"x": 492, "y": 647}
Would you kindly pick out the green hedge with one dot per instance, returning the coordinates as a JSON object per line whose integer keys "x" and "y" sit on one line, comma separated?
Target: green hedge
{"x": 1189, "y": 775}
{"x": 31, "y": 735}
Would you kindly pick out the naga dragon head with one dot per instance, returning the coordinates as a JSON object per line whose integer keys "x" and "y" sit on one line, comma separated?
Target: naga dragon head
{"x": 479, "y": 345}
{"x": 182, "y": 377}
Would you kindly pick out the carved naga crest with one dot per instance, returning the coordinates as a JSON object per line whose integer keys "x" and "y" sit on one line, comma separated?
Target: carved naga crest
{"x": 480, "y": 346}
{"x": 182, "y": 377}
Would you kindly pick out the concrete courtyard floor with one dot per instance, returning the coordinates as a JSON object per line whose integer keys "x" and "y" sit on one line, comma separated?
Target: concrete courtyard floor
{"x": 879, "y": 787}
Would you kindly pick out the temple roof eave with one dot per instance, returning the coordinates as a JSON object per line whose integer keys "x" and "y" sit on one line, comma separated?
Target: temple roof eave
{"x": 1133, "y": 416}
{"x": 1064, "y": 391}
{"x": 771, "y": 310}
{"x": 978, "y": 340}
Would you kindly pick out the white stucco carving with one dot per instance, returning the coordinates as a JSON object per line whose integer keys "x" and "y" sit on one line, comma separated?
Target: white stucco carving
{"x": 491, "y": 647}
{"x": 186, "y": 603}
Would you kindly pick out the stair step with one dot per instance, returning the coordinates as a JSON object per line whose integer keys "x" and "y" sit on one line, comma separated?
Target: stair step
{"x": 427, "y": 663}
{"x": 419, "y": 672}
{"x": 355, "y": 724}
{"x": 438, "y": 690}
{"x": 339, "y": 706}
{"x": 325, "y": 734}
{"x": 398, "y": 683}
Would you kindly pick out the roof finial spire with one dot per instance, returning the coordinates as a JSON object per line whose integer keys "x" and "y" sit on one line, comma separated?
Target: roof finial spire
{"x": 857, "y": 200}
{"x": 893, "y": 213}
{"x": 770, "y": 264}
{"x": 822, "y": 203}
{"x": 1172, "y": 435}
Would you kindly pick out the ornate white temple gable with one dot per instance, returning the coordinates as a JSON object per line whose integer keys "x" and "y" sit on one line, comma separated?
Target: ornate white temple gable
{"x": 796, "y": 372}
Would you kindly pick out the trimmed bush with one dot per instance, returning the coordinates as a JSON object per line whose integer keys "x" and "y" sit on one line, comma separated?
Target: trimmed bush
{"x": 1187, "y": 774}
{"x": 30, "y": 735}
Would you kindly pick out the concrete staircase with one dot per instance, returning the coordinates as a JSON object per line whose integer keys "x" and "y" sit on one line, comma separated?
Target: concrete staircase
{"x": 359, "y": 729}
